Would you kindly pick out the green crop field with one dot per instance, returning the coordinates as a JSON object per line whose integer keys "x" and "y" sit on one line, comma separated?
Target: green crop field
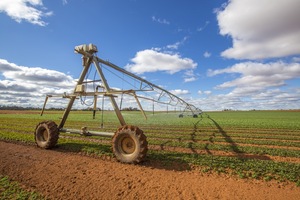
{"x": 249, "y": 144}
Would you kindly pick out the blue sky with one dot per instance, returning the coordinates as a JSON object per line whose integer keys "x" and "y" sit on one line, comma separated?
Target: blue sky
{"x": 216, "y": 54}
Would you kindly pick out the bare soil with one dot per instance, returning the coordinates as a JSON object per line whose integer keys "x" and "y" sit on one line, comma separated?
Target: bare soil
{"x": 65, "y": 175}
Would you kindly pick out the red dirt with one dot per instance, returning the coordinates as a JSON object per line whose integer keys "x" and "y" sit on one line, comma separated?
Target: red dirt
{"x": 63, "y": 175}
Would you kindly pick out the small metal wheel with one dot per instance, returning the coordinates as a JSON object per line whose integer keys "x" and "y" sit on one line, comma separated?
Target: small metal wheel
{"x": 130, "y": 144}
{"x": 46, "y": 134}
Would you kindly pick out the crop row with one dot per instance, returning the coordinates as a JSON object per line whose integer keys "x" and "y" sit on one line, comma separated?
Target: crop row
{"x": 240, "y": 166}
{"x": 235, "y": 134}
{"x": 184, "y": 135}
{"x": 244, "y": 168}
{"x": 188, "y": 139}
{"x": 229, "y": 147}
{"x": 253, "y": 168}
{"x": 287, "y": 144}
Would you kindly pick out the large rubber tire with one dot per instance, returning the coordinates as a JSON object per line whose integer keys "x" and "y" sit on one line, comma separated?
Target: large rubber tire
{"x": 130, "y": 144}
{"x": 46, "y": 134}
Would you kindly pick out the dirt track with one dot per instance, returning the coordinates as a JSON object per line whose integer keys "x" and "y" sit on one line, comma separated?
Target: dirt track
{"x": 63, "y": 175}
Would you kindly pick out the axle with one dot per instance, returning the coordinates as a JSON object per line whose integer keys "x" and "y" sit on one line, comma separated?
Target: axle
{"x": 85, "y": 132}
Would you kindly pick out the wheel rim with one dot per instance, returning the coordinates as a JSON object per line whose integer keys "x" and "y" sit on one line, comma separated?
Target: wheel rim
{"x": 45, "y": 135}
{"x": 42, "y": 135}
{"x": 127, "y": 145}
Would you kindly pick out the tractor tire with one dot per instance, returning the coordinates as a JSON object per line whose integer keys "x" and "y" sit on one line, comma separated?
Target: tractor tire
{"x": 195, "y": 116}
{"x": 130, "y": 144}
{"x": 46, "y": 134}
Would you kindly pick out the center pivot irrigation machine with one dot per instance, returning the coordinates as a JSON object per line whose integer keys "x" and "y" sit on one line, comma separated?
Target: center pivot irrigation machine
{"x": 129, "y": 143}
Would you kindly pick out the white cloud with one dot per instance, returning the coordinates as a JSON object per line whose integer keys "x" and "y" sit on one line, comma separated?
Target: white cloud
{"x": 206, "y": 54}
{"x": 189, "y": 79}
{"x": 150, "y": 60}
{"x": 33, "y": 75}
{"x": 6, "y": 66}
{"x": 269, "y": 99}
{"x": 259, "y": 74}
{"x": 207, "y": 92}
{"x": 161, "y": 21}
{"x": 257, "y": 86}
{"x": 28, "y": 10}
{"x": 179, "y": 92}
{"x": 27, "y": 86}
{"x": 189, "y": 76}
{"x": 163, "y": 59}
{"x": 173, "y": 46}
{"x": 177, "y": 44}
{"x": 36, "y": 74}
{"x": 7, "y": 85}
{"x": 261, "y": 28}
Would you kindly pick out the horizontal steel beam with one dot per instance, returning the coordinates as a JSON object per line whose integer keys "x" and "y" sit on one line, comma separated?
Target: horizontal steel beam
{"x": 84, "y": 132}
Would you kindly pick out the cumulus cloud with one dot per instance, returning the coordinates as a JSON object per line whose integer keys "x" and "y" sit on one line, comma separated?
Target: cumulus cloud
{"x": 189, "y": 76}
{"x": 164, "y": 59}
{"x": 189, "y": 79}
{"x": 150, "y": 60}
{"x": 261, "y": 75}
{"x": 28, "y": 10}
{"x": 258, "y": 86}
{"x": 207, "y": 92}
{"x": 260, "y": 28}
{"x": 36, "y": 74}
{"x": 269, "y": 99}
{"x": 6, "y": 66}
{"x": 33, "y": 75}
{"x": 26, "y": 86}
{"x": 180, "y": 92}
{"x": 13, "y": 86}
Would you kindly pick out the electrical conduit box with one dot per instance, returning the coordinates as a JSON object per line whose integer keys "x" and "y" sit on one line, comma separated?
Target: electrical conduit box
{"x": 80, "y": 89}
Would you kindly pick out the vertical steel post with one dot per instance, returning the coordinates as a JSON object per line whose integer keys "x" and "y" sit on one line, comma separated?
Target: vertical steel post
{"x": 107, "y": 88}
{"x": 44, "y": 105}
{"x": 80, "y": 80}
{"x": 95, "y": 106}
{"x": 140, "y": 106}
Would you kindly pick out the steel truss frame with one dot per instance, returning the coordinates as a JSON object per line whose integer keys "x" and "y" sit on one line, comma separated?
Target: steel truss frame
{"x": 89, "y": 57}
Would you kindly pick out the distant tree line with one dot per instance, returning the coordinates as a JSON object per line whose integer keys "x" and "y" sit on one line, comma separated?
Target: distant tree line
{"x": 18, "y": 108}
{"x": 130, "y": 109}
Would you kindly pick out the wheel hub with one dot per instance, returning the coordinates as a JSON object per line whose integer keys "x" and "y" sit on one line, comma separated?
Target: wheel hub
{"x": 128, "y": 145}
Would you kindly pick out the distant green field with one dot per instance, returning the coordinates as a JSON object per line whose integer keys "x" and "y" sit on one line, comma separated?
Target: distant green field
{"x": 257, "y": 144}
